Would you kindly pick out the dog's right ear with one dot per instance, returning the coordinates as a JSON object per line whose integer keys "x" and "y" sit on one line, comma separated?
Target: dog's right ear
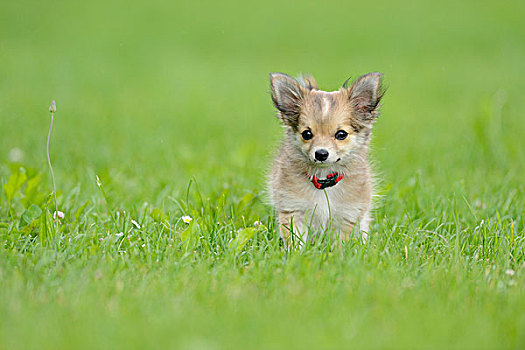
{"x": 288, "y": 97}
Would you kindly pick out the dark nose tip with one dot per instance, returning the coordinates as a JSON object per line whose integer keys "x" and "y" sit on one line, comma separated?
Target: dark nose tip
{"x": 321, "y": 154}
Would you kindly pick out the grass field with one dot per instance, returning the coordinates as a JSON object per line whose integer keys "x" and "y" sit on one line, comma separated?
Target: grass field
{"x": 168, "y": 104}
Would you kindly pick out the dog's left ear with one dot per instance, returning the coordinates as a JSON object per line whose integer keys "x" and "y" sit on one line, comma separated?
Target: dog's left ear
{"x": 365, "y": 94}
{"x": 288, "y": 97}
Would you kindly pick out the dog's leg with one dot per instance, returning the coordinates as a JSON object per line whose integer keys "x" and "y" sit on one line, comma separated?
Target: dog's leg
{"x": 292, "y": 228}
{"x": 364, "y": 225}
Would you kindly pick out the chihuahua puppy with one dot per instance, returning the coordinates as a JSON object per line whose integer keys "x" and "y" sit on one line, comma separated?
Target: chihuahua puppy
{"x": 321, "y": 179}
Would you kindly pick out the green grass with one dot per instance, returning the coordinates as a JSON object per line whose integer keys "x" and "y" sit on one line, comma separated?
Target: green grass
{"x": 168, "y": 103}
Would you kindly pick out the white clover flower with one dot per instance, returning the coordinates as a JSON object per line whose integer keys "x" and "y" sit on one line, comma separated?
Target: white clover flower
{"x": 510, "y": 272}
{"x": 53, "y": 107}
{"x": 187, "y": 219}
{"x": 257, "y": 223}
{"x": 120, "y": 234}
{"x": 136, "y": 224}
{"x": 58, "y": 214}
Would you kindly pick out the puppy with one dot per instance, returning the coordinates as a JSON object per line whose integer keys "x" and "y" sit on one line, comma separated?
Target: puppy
{"x": 321, "y": 179}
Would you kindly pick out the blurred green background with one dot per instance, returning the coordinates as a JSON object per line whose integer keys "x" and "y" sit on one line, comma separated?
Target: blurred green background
{"x": 152, "y": 94}
{"x": 161, "y": 91}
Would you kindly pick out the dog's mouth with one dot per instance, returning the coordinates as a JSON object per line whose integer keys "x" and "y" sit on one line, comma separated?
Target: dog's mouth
{"x": 324, "y": 163}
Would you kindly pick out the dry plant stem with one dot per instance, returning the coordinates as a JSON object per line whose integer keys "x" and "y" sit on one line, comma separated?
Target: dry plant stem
{"x": 52, "y": 173}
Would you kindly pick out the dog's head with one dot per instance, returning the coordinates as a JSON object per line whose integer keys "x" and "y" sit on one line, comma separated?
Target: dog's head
{"x": 327, "y": 127}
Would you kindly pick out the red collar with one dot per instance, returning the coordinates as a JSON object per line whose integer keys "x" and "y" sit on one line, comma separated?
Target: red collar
{"x": 331, "y": 180}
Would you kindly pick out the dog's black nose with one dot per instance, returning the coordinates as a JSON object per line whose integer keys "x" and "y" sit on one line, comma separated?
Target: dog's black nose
{"x": 321, "y": 154}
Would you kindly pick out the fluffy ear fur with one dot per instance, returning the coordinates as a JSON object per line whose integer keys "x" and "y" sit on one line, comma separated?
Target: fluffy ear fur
{"x": 288, "y": 97}
{"x": 365, "y": 95}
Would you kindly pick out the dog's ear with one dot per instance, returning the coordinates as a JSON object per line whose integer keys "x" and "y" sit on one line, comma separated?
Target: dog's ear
{"x": 288, "y": 97}
{"x": 365, "y": 94}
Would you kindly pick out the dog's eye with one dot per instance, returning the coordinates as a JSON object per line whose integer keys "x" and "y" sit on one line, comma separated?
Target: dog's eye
{"x": 307, "y": 135}
{"x": 341, "y": 135}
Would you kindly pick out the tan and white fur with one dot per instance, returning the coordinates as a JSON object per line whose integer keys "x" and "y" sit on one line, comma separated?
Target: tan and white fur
{"x": 325, "y": 133}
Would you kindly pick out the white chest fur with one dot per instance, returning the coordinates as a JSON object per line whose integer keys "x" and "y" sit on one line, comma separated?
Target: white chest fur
{"x": 331, "y": 204}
